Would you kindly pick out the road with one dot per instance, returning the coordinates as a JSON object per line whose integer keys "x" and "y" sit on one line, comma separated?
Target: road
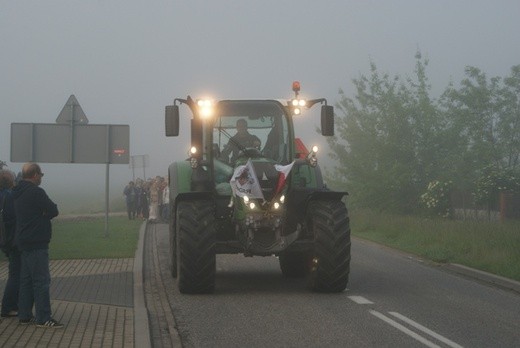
{"x": 392, "y": 300}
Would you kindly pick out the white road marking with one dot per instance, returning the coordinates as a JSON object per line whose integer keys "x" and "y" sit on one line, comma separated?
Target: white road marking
{"x": 425, "y": 330}
{"x": 360, "y": 300}
{"x": 404, "y": 329}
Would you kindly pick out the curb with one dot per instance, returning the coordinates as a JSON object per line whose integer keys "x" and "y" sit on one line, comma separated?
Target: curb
{"x": 141, "y": 324}
{"x": 478, "y": 275}
{"x": 485, "y": 277}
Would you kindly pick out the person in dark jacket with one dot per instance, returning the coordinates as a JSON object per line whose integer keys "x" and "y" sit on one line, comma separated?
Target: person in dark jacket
{"x": 12, "y": 286}
{"x": 130, "y": 193}
{"x": 34, "y": 211}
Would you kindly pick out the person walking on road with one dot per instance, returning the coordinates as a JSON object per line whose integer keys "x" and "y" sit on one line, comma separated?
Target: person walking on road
{"x": 130, "y": 193}
{"x": 34, "y": 211}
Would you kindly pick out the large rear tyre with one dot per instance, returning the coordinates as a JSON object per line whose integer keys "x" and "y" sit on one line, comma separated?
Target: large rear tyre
{"x": 330, "y": 266}
{"x": 196, "y": 247}
{"x": 173, "y": 243}
{"x": 295, "y": 264}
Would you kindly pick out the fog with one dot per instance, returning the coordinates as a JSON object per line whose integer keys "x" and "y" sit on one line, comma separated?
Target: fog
{"x": 125, "y": 60}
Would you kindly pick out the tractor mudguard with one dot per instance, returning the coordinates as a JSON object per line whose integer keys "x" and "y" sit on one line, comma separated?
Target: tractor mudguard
{"x": 298, "y": 201}
{"x": 326, "y": 196}
{"x": 179, "y": 179}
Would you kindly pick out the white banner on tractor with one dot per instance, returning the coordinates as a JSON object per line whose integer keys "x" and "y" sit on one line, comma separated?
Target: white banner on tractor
{"x": 245, "y": 183}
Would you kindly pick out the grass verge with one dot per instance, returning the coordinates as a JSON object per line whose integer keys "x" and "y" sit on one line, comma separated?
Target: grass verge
{"x": 488, "y": 246}
{"x": 85, "y": 238}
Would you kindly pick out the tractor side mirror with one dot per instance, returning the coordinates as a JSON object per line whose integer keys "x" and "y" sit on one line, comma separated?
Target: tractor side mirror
{"x": 172, "y": 120}
{"x": 327, "y": 120}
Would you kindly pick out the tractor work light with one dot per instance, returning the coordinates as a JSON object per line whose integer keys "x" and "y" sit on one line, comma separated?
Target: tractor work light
{"x": 205, "y": 108}
{"x": 297, "y": 105}
{"x": 298, "y": 102}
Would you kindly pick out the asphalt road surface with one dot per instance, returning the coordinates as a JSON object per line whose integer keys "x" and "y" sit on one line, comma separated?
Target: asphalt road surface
{"x": 392, "y": 300}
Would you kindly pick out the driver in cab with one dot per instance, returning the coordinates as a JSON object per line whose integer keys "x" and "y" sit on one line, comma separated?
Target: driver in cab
{"x": 240, "y": 141}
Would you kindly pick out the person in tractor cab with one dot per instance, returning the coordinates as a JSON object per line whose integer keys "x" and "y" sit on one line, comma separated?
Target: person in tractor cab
{"x": 240, "y": 141}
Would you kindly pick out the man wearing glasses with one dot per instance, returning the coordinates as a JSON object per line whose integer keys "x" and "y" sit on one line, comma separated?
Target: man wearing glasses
{"x": 34, "y": 211}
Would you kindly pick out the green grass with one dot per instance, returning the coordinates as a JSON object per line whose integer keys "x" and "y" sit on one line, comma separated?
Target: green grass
{"x": 489, "y": 246}
{"x": 85, "y": 239}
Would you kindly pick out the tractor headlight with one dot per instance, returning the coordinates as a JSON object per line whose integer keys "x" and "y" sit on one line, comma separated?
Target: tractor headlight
{"x": 252, "y": 205}
{"x": 194, "y": 163}
{"x": 311, "y": 158}
{"x": 276, "y": 205}
{"x": 246, "y": 199}
{"x": 282, "y": 199}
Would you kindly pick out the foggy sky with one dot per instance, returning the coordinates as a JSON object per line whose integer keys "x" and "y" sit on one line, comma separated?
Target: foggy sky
{"x": 125, "y": 60}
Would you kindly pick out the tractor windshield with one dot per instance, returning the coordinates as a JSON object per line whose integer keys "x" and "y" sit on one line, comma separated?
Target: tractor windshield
{"x": 253, "y": 128}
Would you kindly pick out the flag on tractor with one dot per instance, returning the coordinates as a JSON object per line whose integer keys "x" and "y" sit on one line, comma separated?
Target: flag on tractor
{"x": 283, "y": 173}
{"x": 245, "y": 183}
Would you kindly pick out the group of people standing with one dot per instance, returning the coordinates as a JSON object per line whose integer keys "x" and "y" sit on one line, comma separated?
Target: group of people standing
{"x": 27, "y": 212}
{"x": 148, "y": 199}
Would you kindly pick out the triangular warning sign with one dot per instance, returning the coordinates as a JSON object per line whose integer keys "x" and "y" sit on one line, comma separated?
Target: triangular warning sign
{"x": 72, "y": 112}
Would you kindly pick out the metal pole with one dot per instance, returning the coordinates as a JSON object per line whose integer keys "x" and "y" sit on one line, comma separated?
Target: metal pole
{"x": 133, "y": 168}
{"x": 72, "y": 135}
{"x": 33, "y": 147}
{"x": 107, "y": 176}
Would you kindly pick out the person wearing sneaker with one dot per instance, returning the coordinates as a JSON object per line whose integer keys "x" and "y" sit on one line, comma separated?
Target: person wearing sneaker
{"x": 34, "y": 211}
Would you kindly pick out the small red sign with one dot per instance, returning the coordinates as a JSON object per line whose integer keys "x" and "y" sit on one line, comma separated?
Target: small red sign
{"x": 119, "y": 151}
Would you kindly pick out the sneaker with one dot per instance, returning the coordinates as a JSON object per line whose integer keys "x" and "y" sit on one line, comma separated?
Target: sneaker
{"x": 29, "y": 321}
{"x": 50, "y": 323}
{"x": 10, "y": 314}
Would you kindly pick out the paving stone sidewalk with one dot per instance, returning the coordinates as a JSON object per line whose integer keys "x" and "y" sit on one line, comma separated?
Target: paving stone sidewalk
{"x": 93, "y": 298}
{"x": 100, "y": 301}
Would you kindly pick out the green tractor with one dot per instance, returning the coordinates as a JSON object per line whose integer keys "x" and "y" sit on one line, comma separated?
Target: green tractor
{"x": 258, "y": 192}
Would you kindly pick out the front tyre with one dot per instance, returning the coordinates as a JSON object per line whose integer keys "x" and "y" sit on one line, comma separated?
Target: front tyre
{"x": 196, "y": 247}
{"x": 330, "y": 266}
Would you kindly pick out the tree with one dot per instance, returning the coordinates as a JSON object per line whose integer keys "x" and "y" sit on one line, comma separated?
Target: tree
{"x": 509, "y": 127}
{"x": 385, "y": 144}
{"x": 485, "y": 116}
{"x": 394, "y": 141}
